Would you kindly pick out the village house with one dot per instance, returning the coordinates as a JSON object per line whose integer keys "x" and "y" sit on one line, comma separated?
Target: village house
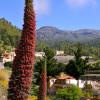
{"x": 59, "y": 53}
{"x": 39, "y": 54}
{"x": 62, "y": 81}
{"x": 8, "y": 57}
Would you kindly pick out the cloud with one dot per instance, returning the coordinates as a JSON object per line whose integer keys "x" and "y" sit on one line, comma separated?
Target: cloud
{"x": 80, "y": 3}
{"x": 42, "y": 6}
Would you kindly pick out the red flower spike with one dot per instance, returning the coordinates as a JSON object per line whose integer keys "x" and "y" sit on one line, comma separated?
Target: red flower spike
{"x": 21, "y": 78}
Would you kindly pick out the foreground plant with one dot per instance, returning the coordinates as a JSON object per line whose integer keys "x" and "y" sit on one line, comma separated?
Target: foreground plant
{"x": 21, "y": 78}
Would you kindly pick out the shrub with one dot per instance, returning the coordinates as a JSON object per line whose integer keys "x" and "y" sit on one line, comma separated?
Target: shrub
{"x": 88, "y": 94}
{"x": 88, "y": 86}
{"x": 8, "y": 64}
{"x": 34, "y": 90}
{"x": 72, "y": 92}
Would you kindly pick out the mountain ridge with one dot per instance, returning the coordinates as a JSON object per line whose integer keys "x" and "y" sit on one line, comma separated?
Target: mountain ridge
{"x": 52, "y": 33}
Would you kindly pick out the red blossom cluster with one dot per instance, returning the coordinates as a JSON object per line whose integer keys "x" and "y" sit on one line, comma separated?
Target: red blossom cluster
{"x": 43, "y": 83}
{"x": 23, "y": 64}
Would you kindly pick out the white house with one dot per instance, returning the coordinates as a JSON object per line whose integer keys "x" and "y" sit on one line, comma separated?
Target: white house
{"x": 63, "y": 81}
{"x": 59, "y": 53}
{"x": 8, "y": 57}
{"x": 39, "y": 54}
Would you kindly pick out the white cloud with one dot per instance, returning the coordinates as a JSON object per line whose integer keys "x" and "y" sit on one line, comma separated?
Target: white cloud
{"x": 42, "y": 6}
{"x": 81, "y": 3}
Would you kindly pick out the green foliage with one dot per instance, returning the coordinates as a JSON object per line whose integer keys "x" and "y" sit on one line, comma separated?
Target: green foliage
{"x": 88, "y": 90}
{"x": 40, "y": 45}
{"x": 69, "y": 47}
{"x": 34, "y": 90}
{"x": 88, "y": 86}
{"x": 8, "y": 64}
{"x": 77, "y": 67}
{"x": 96, "y": 64}
{"x": 72, "y": 92}
{"x": 53, "y": 68}
{"x": 88, "y": 94}
{"x": 9, "y": 36}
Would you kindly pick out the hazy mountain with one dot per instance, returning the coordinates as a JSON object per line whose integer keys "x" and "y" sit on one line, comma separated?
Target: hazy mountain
{"x": 52, "y": 33}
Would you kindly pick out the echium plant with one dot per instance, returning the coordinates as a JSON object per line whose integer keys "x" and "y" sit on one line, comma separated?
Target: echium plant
{"x": 43, "y": 81}
{"x": 23, "y": 64}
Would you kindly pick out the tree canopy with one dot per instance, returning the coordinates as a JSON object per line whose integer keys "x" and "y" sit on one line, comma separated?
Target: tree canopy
{"x": 77, "y": 67}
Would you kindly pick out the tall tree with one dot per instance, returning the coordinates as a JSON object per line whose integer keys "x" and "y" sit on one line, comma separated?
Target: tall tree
{"x": 23, "y": 64}
{"x": 43, "y": 82}
{"x": 77, "y": 67}
{"x": 53, "y": 67}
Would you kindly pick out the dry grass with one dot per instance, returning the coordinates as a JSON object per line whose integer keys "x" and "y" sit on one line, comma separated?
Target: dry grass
{"x": 4, "y": 75}
{"x": 32, "y": 98}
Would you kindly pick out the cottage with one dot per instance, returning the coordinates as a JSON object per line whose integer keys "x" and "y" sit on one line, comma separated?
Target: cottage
{"x": 8, "y": 57}
{"x": 62, "y": 81}
{"x": 59, "y": 53}
{"x": 39, "y": 54}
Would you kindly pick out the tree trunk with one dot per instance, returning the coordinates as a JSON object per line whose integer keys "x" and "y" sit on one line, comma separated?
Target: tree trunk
{"x": 48, "y": 85}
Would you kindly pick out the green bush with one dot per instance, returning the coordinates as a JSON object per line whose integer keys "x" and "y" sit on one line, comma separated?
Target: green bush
{"x": 34, "y": 90}
{"x": 72, "y": 92}
{"x": 88, "y": 94}
{"x": 8, "y": 65}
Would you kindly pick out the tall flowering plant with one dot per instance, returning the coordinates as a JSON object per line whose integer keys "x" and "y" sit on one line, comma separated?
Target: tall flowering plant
{"x": 43, "y": 82}
{"x": 23, "y": 64}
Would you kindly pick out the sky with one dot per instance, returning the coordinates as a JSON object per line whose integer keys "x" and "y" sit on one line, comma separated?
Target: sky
{"x": 63, "y": 14}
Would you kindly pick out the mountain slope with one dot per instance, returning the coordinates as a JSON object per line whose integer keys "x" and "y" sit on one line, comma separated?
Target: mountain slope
{"x": 52, "y": 33}
{"x": 9, "y": 34}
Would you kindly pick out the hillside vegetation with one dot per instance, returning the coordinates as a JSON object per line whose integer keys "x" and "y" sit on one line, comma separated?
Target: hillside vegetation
{"x": 54, "y": 38}
{"x": 9, "y": 35}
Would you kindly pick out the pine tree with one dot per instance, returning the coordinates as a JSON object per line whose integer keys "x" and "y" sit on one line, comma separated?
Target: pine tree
{"x": 23, "y": 64}
{"x": 43, "y": 82}
{"x": 76, "y": 67}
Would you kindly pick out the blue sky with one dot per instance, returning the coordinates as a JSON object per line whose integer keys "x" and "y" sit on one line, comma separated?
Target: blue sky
{"x": 64, "y": 14}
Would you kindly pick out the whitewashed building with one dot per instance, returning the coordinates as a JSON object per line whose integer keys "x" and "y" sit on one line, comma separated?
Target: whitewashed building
{"x": 39, "y": 54}
{"x": 63, "y": 81}
{"x": 59, "y": 53}
{"x": 8, "y": 57}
